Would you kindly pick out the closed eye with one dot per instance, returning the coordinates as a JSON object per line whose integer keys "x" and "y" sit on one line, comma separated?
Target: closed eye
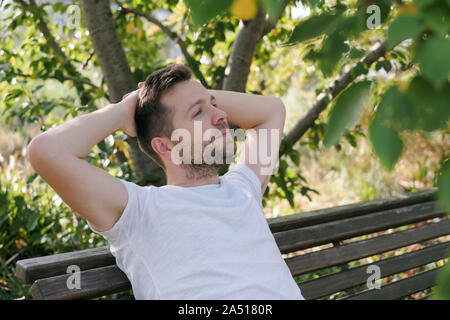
{"x": 200, "y": 110}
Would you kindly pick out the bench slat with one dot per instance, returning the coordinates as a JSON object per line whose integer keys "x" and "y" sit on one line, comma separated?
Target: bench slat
{"x": 29, "y": 270}
{"x": 401, "y": 288}
{"x": 340, "y": 281}
{"x": 307, "y": 237}
{"x": 335, "y": 256}
{"x": 315, "y": 217}
{"x": 94, "y": 283}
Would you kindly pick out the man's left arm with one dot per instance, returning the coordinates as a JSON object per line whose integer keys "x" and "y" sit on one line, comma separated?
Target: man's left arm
{"x": 266, "y": 115}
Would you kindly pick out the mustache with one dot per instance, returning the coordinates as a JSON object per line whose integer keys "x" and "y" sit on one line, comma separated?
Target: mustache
{"x": 223, "y": 126}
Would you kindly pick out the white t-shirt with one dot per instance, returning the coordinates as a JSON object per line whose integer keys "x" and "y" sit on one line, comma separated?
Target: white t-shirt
{"x": 207, "y": 242}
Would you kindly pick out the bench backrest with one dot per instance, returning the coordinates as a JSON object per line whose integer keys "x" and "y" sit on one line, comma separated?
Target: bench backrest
{"x": 321, "y": 242}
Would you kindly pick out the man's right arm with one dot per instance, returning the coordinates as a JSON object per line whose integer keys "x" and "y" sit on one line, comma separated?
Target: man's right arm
{"x": 57, "y": 155}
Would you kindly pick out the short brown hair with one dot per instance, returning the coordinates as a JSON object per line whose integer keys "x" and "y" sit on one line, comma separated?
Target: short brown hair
{"x": 152, "y": 118}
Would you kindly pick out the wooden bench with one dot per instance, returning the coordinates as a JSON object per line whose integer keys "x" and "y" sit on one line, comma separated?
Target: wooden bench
{"x": 323, "y": 249}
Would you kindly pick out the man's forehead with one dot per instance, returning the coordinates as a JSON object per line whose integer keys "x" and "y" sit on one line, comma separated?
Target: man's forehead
{"x": 181, "y": 95}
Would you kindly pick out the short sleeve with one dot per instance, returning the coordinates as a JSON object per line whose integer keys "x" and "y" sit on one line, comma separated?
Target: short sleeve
{"x": 242, "y": 173}
{"x": 138, "y": 199}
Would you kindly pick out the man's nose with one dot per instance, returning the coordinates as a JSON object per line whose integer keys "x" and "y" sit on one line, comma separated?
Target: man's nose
{"x": 218, "y": 116}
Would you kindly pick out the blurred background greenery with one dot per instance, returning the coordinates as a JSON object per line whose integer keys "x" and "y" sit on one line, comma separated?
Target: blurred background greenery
{"x": 309, "y": 53}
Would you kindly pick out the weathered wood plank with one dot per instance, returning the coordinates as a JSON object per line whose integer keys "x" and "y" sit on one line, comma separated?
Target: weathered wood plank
{"x": 307, "y": 237}
{"x": 315, "y": 217}
{"x": 401, "y": 288}
{"x": 343, "y": 280}
{"x": 94, "y": 283}
{"x": 335, "y": 256}
{"x": 29, "y": 270}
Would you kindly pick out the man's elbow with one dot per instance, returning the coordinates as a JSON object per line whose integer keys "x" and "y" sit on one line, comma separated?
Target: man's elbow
{"x": 38, "y": 153}
{"x": 32, "y": 152}
{"x": 280, "y": 105}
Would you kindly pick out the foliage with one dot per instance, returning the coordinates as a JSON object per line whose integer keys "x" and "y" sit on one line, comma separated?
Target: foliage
{"x": 406, "y": 89}
{"x": 204, "y": 10}
{"x": 442, "y": 290}
{"x": 418, "y": 102}
{"x": 35, "y": 222}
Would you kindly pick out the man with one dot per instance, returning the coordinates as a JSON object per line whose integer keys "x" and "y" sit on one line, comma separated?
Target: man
{"x": 201, "y": 236}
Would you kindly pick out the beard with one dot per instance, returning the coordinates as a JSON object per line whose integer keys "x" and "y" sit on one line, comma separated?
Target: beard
{"x": 222, "y": 159}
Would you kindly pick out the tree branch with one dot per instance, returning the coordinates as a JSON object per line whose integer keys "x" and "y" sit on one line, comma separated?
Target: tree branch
{"x": 42, "y": 25}
{"x": 242, "y": 53}
{"x": 325, "y": 97}
{"x": 88, "y": 59}
{"x": 192, "y": 63}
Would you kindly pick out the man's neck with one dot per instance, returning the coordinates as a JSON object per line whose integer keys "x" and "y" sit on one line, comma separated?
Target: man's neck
{"x": 192, "y": 176}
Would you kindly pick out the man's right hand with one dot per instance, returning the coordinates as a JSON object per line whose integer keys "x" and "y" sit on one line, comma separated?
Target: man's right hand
{"x": 129, "y": 103}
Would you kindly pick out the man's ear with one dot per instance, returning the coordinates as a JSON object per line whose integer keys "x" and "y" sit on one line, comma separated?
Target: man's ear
{"x": 162, "y": 146}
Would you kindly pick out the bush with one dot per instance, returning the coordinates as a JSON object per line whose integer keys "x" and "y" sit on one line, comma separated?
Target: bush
{"x": 34, "y": 221}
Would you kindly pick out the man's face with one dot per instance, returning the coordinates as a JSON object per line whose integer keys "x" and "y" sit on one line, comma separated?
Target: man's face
{"x": 198, "y": 119}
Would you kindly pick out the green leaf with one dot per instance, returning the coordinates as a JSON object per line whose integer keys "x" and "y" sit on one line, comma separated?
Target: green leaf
{"x": 311, "y": 3}
{"x": 295, "y": 157}
{"x": 387, "y": 144}
{"x": 13, "y": 94}
{"x": 356, "y": 53}
{"x": 32, "y": 220}
{"x": 204, "y": 10}
{"x": 102, "y": 146}
{"x": 385, "y": 8}
{"x": 38, "y": 87}
{"x": 442, "y": 290}
{"x": 431, "y": 106}
{"x": 437, "y": 17}
{"x": 346, "y": 111}
{"x": 433, "y": 57}
{"x": 59, "y": 75}
{"x": 313, "y": 27}
{"x": 273, "y": 7}
{"x": 20, "y": 203}
{"x": 86, "y": 108}
{"x": 383, "y": 133}
{"x": 359, "y": 69}
{"x": 443, "y": 184}
{"x": 397, "y": 111}
{"x": 404, "y": 27}
{"x": 351, "y": 26}
{"x": 32, "y": 178}
{"x": 46, "y": 106}
{"x": 386, "y": 65}
{"x": 351, "y": 139}
{"x": 424, "y": 3}
{"x": 331, "y": 52}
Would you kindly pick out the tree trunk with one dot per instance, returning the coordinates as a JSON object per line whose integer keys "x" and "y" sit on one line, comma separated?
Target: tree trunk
{"x": 118, "y": 78}
{"x": 242, "y": 53}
